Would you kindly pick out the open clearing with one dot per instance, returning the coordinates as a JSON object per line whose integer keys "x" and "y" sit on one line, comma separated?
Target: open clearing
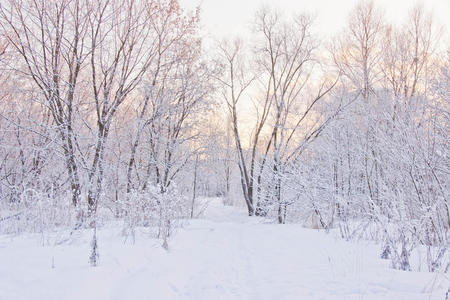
{"x": 224, "y": 255}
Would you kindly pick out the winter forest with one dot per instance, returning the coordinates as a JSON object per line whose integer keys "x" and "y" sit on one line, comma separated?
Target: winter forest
{"x": 122, "y": 125}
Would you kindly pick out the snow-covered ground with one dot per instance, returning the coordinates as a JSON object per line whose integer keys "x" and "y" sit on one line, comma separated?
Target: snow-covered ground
{"x": 224, "y": 255}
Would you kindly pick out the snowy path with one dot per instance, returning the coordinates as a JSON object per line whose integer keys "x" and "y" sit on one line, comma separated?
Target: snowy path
{"x": 225, "y": 255}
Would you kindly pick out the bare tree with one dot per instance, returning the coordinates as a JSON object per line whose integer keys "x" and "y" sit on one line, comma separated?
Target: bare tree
{"x": 285, "y": 60}
{"x": 406, "y": 53}
{"x": 171, "y": 28}
{"x": 357, "y": 53}
{"x": 235, "y": 82}
{"x": 122, "y": 50}
{"x": 50, "y": 37}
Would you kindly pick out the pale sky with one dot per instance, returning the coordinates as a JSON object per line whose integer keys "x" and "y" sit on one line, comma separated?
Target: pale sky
{"x": 233, "y": 17}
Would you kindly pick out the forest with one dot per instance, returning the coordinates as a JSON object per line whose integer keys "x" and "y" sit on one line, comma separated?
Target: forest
{"x": 119, "y": 112}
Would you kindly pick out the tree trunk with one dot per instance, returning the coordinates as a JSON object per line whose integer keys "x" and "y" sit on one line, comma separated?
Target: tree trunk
{"x": 194, "y": 187}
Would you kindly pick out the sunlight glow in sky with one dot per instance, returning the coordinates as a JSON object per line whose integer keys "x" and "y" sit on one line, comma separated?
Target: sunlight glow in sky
{"x": 233, "y": 17}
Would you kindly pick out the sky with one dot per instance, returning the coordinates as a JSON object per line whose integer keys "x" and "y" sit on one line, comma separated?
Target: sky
{"x": 232, "y": 18}
{"x": 221, "y": 18}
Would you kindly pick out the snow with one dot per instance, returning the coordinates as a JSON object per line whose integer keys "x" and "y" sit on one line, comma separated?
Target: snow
{"x": 224, "y": 255}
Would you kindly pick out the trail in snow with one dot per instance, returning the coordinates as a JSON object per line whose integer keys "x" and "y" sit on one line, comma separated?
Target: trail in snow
{"x": 225, "y": 255}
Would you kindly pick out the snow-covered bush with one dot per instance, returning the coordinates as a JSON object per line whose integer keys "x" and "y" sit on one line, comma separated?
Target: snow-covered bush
{"x": 156, "y": 211}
